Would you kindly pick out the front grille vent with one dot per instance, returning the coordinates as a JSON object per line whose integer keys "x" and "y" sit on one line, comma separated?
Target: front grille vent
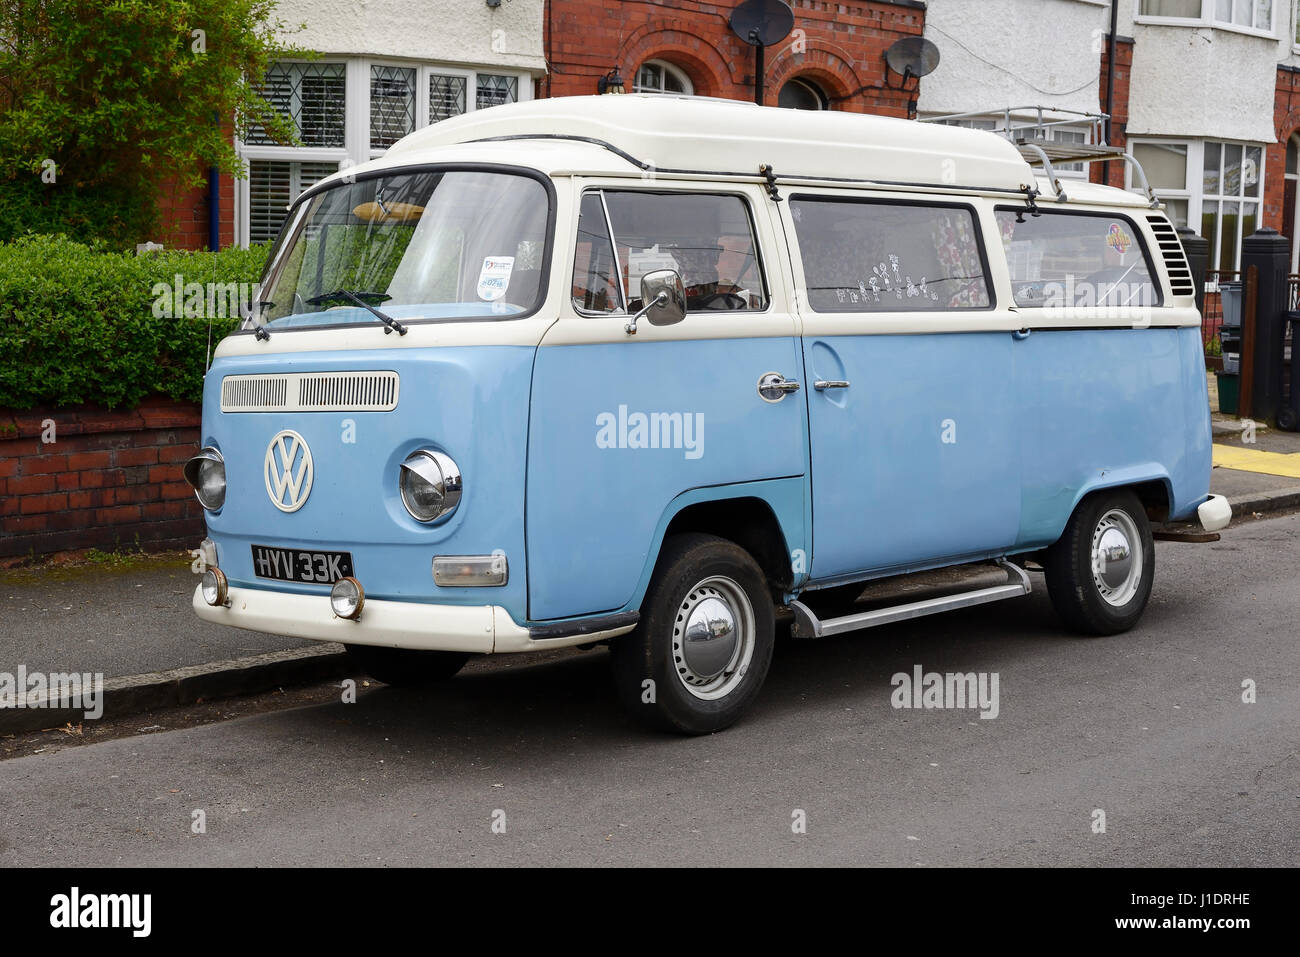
{"x": 311, "y": 392}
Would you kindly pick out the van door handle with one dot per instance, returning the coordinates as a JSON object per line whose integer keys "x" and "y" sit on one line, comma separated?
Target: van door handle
{"x": 821, "y": 385}
{"x": 774, "y": 387}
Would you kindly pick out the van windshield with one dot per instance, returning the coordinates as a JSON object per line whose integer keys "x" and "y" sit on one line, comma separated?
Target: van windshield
{"x": 435, "y": 246}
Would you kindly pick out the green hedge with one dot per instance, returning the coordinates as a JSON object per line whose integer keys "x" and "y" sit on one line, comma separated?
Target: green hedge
{"x": 78, "y": 324}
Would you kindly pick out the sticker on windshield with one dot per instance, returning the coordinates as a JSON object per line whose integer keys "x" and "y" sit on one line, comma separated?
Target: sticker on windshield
{"x": 494, "y": 278}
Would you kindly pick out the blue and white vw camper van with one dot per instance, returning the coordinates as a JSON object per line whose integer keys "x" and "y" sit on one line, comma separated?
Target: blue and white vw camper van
{"x": 663, "y": 373}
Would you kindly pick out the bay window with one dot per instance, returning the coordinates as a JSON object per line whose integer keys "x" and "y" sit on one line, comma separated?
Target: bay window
{"x": 347, "y": 112}
{"x": 1251, "y": 16}
{"x": 1216, "y": 188}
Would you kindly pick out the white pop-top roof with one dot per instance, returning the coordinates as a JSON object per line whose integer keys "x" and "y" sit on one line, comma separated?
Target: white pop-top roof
{"x": 673, "y": 133}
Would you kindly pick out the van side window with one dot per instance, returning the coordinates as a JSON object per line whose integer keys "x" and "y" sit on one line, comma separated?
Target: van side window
{"x": 878, "y": 256}
{"x": 708, "y": 239}
{"x": 1076, "y": 259}
{"x": 595, "y": 288}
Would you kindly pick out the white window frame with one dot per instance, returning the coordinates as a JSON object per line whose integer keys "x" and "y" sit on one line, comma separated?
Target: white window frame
{"x": 668, "y": 68}
{"x": 813, "y": 87}
{"x": 1209, "y": 19}
{"x": 356, "y": 147}
{"x": 1295, "y": 214}
{"x": 1194, "y": 194}
{"x": 1295, "y": 26}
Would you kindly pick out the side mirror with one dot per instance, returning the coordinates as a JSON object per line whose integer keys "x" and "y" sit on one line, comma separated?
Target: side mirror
{"x": 664, "y": 297}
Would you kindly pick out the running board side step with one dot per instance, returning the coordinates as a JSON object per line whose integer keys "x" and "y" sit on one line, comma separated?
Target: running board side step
{"x": 808, "y": 625}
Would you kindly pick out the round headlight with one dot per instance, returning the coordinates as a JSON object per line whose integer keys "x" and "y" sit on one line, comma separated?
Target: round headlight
{"x": 207, "y": 473}
{"x": 214, "y": 587}
{"x": 431, "y": 485}
{"x": 347, "y": 597}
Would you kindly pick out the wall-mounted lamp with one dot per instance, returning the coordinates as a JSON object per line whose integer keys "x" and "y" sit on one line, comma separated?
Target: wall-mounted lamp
{"x": 611, "y": 82}
{"x": 494, "y": 3}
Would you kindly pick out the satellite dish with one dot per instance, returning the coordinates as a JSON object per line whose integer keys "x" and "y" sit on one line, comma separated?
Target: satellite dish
{"x": 912, "y": 56}
{"x": 762, "y": 23}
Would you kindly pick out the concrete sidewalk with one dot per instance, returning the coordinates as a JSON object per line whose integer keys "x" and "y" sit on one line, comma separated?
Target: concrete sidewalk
{"x": 1256, "y": 467}
{"x": 121, "y": 617}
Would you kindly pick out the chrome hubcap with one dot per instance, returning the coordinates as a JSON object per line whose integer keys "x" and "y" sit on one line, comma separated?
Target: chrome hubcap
{"x": 713, "y": 638}
{"x": 1116, "y": 557}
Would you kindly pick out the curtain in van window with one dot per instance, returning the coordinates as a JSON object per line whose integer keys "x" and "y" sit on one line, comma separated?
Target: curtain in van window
{"x": 884, "y": 256}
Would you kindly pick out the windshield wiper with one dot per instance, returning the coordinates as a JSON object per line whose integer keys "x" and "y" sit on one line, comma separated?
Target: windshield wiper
{"x": 391, "y": 324}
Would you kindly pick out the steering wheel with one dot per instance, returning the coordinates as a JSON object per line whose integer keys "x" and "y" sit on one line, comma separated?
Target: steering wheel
{"x": 723, "y": 300}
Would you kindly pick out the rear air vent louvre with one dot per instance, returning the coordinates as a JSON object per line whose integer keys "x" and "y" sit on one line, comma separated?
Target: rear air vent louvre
{"x": 1171, "y": 248}
{"x": 311, "y": 392}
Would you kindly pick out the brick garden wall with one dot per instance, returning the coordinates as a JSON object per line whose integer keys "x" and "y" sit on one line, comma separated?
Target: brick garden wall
{"x": 110, "y": 478}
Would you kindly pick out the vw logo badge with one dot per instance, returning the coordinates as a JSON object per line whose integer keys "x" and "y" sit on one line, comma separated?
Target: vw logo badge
{"x": 288, "y": 471}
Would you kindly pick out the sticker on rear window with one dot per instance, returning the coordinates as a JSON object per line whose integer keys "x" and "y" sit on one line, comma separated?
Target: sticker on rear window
{"x": 1117, "y": 239}
{"x": 494, "y": 277}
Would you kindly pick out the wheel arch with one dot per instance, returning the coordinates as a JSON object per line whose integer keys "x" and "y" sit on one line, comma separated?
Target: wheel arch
{"x": 1153, "y": 487}
{"x": 764, "y": 518}
{"x": 750, "y": 523}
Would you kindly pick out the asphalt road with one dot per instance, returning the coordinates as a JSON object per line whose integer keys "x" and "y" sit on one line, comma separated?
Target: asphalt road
{"x": 1149, "y": 727}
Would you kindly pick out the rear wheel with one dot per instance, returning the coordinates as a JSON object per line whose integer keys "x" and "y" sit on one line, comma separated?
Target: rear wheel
{"x": 700, "y": 653}
{"x": 405, "y": 666}
{"x": 1099, "y": 573}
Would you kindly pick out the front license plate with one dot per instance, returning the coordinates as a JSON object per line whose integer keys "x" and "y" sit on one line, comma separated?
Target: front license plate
{"x": 291, "y": 565}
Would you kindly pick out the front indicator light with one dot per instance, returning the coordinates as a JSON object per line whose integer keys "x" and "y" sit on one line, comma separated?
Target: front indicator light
{"x": 206, "y": 473}
{"x": 470, "y": 571}
{"x": 347, "y": 598}
{"x": 431, "y": 485}
{"x": 214, "y": 587}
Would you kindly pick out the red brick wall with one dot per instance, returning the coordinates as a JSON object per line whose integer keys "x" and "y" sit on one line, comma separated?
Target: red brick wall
{"x": 110, "y": 478}
{"x": 842, "y": 49}
{"x": 1119, "y": 108}
{"x": 184, "y": 215}
{"x": 1286, "y": 120}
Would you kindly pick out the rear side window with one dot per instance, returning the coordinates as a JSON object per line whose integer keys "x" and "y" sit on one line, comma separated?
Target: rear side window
{"x": 877, "y": 256}
{"x": 708, "y": 239}
{"x": 1060, "y": 259}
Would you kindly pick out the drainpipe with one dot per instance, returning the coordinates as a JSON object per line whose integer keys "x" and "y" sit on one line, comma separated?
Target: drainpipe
{"x": 214, "y": 208}
{"x": 1110, "y": 84}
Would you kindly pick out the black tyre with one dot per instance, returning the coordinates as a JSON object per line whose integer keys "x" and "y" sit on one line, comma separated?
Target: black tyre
{"x": 404, "y": 666}
{"x": 1099, "y": 573}
{"x": 698, "y": 657}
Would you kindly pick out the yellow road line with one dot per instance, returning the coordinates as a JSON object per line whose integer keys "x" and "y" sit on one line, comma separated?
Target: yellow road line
{"x": 1255, "y": 460}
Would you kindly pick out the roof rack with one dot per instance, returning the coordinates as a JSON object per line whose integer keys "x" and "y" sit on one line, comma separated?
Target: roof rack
{"x": 1027, "y": 127}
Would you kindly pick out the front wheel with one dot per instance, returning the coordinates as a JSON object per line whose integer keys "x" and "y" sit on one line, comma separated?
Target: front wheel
{"x": 1099, "y": 573}
{"x": 702, "y": 648}
{"x": 406, "y": 666}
